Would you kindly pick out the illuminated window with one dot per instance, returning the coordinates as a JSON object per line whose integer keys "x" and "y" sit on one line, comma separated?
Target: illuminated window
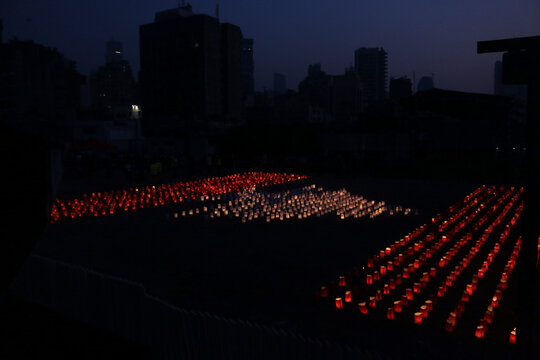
{"x": 117, "y": 52}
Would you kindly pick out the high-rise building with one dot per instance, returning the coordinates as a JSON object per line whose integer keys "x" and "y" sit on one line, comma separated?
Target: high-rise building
{"x": 190, "y": 67}
{"x": 40, "y": 88}
{"x": 247, "y": 66}
{"x": 113, "y": 84}
{"x": 280, "y": 83}
{"x": 231, "y": 60}
{"x": 346, "y": 96}
{"x": 115, "y": 52}
{"x": 314, "y": 89}
{"x": 371, "y": 66}
{"x": 400, "y": 88}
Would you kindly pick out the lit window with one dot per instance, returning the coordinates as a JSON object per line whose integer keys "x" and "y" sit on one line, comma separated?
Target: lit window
{"x": 117, "y": 52}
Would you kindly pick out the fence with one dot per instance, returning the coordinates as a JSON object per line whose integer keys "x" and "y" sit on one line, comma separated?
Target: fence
{"x": 124, "y": 308}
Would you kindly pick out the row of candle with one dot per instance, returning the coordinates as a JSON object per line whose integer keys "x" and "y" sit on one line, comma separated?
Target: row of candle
{"x": 495, "y": 300}
{"x": 448, "y": 282}
{"x": 479, "y": 275}
{"x": 107, "y": 203}
{"x": 513, "y": 333}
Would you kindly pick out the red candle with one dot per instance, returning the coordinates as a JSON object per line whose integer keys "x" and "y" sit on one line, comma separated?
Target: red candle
{"x": 324, "y": 291}
{"x": 479, "y": 332}
{"x": 512, "y": 338}
{"x": 397, "y": 306}
{"x": 404, "y": 300}
{"x": 363, "y": 308}
{"x": 418, "y": 318}
{"x": 409, "y": 294}
{"x": 390, "y": 314}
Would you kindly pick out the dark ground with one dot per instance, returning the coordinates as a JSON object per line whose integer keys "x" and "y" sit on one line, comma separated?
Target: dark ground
{"x": 261, "y": 272}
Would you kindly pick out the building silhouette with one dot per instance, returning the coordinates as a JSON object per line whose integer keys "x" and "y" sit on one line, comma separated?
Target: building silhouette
{"x": 231, "y": 72}
{"x": 113, "y": 84}
{"x": 371, "y": 66}
{"x": 331, "y": 97}
{"x": 40, "y": 89}
{"x": 425, "y": 83}
{"x": 280, "y": 83}
{"x": 115, "y": 51}
{"x": 346, "y": 96}
{"x": 190, "y": 67}
{"x": 314, "y": 90}
{"x": 248, "y": 85}
{"x": 518, "y": 92}
{"x": 400, "y": 88}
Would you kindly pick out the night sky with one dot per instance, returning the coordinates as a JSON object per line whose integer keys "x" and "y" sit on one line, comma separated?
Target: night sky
{"x": 424, "y": 36}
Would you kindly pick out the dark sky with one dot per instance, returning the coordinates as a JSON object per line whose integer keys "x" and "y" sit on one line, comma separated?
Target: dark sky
{"x": 425, "y": 36}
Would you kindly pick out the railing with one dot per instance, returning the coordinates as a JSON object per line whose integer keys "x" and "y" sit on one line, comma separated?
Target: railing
{"x": 124, "y": 308}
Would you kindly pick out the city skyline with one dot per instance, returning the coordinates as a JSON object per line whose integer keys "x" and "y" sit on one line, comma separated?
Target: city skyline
{"x": 439, "y": 39}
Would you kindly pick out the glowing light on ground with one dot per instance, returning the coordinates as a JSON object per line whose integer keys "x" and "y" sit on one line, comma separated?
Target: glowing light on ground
{"x": 306, "y": 202}
{"x": 108, "y": 203}
{"x": 421, "y": 268}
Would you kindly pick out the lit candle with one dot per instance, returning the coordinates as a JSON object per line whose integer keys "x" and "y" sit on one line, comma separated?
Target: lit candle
{"x": 324, "y": 291}
{"x": 418, "y": 318}
{"x": 390, "y": 313}
{"x": 363, "y": 308}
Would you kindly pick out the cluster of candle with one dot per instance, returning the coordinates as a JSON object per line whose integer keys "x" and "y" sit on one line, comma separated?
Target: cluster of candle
{"x": 107, "y": 203}
{"x": 495, "y": 300}
{"x": 301, "y": 203}
{"x": 461, "y": 266}
{"x": 398, "y": 261}
{"x": 408, "y": 271}
{"x": 471, "y": 287}
{"x": 443, "y": 249}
